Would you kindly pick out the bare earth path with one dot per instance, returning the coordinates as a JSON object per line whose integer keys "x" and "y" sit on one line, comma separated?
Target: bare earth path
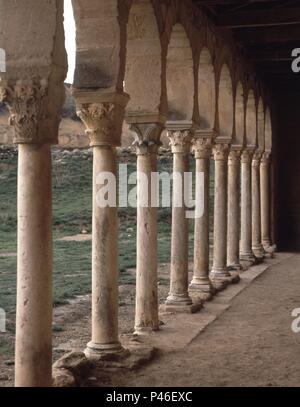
{"x": 251, "y": 344}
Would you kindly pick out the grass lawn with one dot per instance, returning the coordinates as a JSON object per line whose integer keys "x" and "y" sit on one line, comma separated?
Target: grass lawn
{"x": 72, "y": 198}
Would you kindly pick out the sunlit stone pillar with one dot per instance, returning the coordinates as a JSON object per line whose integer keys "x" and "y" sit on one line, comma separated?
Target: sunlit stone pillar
{"x": 103, "y": 115}
{"x": 246, "y": 253}
{"x": 219, "y": 270}
{"x": 202, "y": 148}
{"x": 265, "y": 202}
{"x": 179, "y": 299}
{"x": 35, "y": 130}
{"x": 147, "y": 145}
{"x": 233, "y": 234}
{"x": 257, "y": 247}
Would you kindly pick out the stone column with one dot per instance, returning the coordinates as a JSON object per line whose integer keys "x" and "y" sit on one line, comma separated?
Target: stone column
{"x": 35, "y": 130}
{"x": 246, "y": 253}
{"x": 265, "y": 202}
{"x": 179, "y": 299}
{"x": 273, "y": 208}
{"x": 33, "y": 353}
{"x": 147, "y": 145}
{"x": 202, "y": 147}
{"x": 233, "y": 235}
{"x": 103, "y": 118}
{"x": 257, "y": 247}
{"x": 219, "y": 270}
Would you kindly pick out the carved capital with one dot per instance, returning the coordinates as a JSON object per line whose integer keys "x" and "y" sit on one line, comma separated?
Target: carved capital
{"x": 247, "y": 156}
{"x": 234, "y": 157}
{"x": 180, "y": 141}
{"x": 27, "y": 104}
{"x": 256, "y": 159}
{"x": 221, "y": 151}
{"x": 265, "y": 158}
{"x": 202, "y": 147}
{"x": 147, "y": 137}
{"x": 103, "y": 119}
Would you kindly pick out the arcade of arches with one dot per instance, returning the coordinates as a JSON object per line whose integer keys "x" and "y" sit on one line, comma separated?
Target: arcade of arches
{"x": 159, "y": 66}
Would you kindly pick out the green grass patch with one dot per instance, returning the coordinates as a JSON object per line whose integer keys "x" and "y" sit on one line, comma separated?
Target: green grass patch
{"x": 72, "y": 212}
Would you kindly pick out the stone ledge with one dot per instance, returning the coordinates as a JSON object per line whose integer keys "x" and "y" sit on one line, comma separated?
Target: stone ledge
{"x": 70, "y": 370}
{"x": 221, "y": 283}
{"x": 74, "y": 369}
{"x": 184, "y": 309}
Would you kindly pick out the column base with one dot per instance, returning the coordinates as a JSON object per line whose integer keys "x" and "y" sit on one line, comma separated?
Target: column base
{"x": 219, "y": 274}
{"x": 220, "y": 282}
{"x": 96, "y": 351}
{"x": 184, "y": 309}
{"x": 268, "y": 248}
{"x": 201, "y": 291}
{"x": 145, "y": 330}
{"x": 235, "y": 266}
{"x": 201, "y": 285}
{"x": 269, "y": 255}
{"x": 179, "y": 300}
{"x": 248, "y": 258}
{"x": 258, "y": 252}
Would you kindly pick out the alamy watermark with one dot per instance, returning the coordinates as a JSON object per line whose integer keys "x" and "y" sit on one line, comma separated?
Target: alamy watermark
{"x": 2, "y": 321}
{"x": 152, "y": 191}
{"x": 2, "y": 60}
{"x": 296, "y": 61}
{"x": 296, "y": 322}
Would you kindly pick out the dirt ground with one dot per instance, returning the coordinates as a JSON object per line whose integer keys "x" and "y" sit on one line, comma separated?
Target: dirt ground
{"x": 72, "y": 324}
{"x": 251, "y": 344}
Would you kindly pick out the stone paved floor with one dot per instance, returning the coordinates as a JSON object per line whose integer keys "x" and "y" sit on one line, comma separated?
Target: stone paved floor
{"x": 251, "y": 344}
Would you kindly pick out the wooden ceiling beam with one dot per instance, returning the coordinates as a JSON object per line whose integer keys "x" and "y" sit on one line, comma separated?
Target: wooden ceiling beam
{"x": 268, "y": 35}
{"x": 284, "y": 54}
{"x": 260, "y": 18}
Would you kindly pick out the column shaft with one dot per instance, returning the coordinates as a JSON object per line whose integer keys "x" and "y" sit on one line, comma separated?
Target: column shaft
{"x": 33, "y": 366}
{"x": 146, "y": 316}
{"x": 104, "y": 262}
{"x": 233, "y": 235}
{"x": 201, "y": 281}
{"x": 180, "y": 237}
{"x": 265, "y": 202}
{"x": 220, "y": 213}
{"x": 246, "y": 253}
{"x": 256, "y": 212}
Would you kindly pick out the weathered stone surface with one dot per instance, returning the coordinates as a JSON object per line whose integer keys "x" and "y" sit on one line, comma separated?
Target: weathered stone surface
{"x": 201, "y": 297}
{"x": 73, "y": 361}
{"x": 233, "y": 232}
{"x": 202, "y": 148}
{"x": 220, "y": 285}
{"x": 136, "y": 356}
{"x": 180, "y": 136}
{"x": 188, "y": 309}
{"x": 71, "y": 369}
{"x": 63, "y": 378}
{"x": 32, "y": 88}
{"x": 219, "y": 269}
